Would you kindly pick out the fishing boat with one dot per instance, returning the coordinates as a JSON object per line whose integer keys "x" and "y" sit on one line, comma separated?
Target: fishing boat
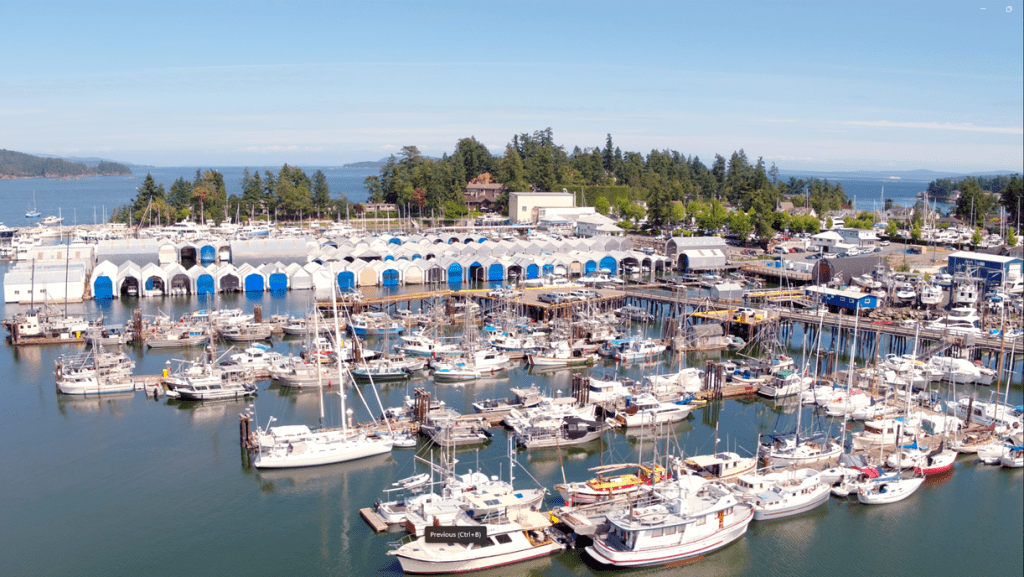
{"x": 560, "y": 354}
{"x": 602, "y": 488}
{"x": 513, "y": 539}
{"x": 448, "y": 430}
{"x": 258, "y": 358}
{"x": 559, "y": 432}
{"x": 640, "y": 349}
{"x": 218, "y": 386}
{"x": 374, "y": 324}
{"x": 684, "y": 518}
{"x": 95, "y": 372}
{"x": 421, "y": 344}
{"x": 176, "y": 337}
{"x": 388, "y": 369}
{"x": 246, "y": 332}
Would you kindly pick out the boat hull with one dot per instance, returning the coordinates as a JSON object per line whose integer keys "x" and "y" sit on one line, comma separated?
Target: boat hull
{"x": 417, "y": 566}
{"x": 819, "y": 498}
{"x": 329, "y": 456}
{"x": 606, "y": 555}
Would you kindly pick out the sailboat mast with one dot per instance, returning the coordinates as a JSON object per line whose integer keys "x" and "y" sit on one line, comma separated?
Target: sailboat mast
{"x": 337, "y": 345}
{"x": 316, "y": 351}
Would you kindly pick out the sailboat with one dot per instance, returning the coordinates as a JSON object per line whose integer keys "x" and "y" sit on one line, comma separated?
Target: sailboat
{"x": 299, "y": 446}
{"x": 797, "y": 449}
{"x": 32, "y": 212}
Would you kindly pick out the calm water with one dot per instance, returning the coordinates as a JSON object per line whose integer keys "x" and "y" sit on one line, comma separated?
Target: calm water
{"x": 125, "y": 485}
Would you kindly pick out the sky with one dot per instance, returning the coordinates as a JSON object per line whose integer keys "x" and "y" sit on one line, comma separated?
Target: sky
{"x": 806, "y": 85}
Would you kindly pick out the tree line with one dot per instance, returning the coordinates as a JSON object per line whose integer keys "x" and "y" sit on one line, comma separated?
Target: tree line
{"x": 980, "y": 197}
{"x": 605, "y": 177}
{"x": 289, "y": 194}
{"x": 21, "y": 165}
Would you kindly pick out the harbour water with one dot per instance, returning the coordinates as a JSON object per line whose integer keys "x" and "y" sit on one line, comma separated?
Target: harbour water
{"x": 125, "y": 485}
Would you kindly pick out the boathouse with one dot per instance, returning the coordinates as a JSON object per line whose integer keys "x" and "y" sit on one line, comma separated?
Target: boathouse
{"x": 836, "y": 299}
{"x": 992, "y": 270}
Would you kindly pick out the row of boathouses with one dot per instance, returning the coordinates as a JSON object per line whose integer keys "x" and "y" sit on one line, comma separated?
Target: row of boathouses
{"x": 145, "y": 267}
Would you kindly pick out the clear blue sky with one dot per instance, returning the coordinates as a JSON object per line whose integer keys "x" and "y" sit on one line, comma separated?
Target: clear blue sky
{"x": 807, "y": 85}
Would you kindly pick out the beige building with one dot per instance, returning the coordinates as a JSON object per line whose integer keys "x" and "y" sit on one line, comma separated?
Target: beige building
{"x": 524, "y": 207}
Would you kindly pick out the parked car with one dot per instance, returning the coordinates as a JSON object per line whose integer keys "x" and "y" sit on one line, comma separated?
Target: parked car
{"x": 584, "y": 294}
{"x": 884, "y": 243}
{"x": 552, "y": 298}
{"x": 504, "y": 292}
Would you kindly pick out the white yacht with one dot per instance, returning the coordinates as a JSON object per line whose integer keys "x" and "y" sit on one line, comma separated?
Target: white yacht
{"x": 790, "y": 493}
{"x": 646, "y": 411}
{"x": 784, "y": 383}
{"x": 959, "y": 321}
{"x": 931, "y": 295}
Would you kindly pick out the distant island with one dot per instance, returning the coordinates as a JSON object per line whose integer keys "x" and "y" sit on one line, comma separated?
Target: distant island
{"x": 20, "y": 165}
{"x": 367, "y": 164}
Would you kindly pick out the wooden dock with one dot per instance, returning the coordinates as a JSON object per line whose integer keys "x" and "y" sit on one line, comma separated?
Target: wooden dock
{"x": 373, "y": 520}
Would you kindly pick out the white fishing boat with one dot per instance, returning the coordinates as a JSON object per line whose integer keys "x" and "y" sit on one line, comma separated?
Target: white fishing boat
{"x": 374, "y": 324}
{"x": 420, "y": 344}
{"x": 95, "y": 372}
{"x": 257, "y": 358}
{"x": 639, "y": 349}
{"x": 519, "y": 537}
{"x": 246, "y": 332}
{"x": 560, "y": 354}
{"x": 559, "y": 432}
{"x": 218, "y": 385}
{"x": 685, "y": 517}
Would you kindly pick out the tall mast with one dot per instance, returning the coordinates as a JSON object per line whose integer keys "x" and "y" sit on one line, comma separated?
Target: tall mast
{"x": 337, "y": 345}
{"x": 319, "y": 380}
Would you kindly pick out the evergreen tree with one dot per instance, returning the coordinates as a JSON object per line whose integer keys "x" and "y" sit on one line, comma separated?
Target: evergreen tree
{"x": 321, "y": 193}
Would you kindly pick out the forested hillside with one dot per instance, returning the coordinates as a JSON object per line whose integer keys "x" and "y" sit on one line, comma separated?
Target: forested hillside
{"x": 20, "y": 165}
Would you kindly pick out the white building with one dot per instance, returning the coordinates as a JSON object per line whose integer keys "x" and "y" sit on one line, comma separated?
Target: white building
{"x": 524, "y": 207}
{"x": 857, "y": 236}
{"x": 597, "y": 225}
{"x": 831, "y": 241}
{"x": 45, "y": 283}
